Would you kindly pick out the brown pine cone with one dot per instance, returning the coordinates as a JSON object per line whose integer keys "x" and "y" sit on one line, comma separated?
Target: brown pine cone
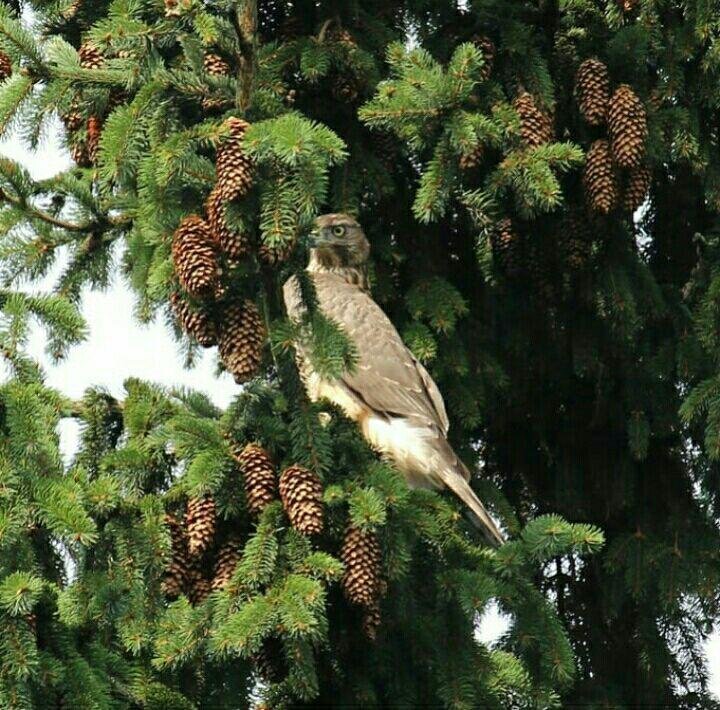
{"x": 193, "y": 254}
{"x": 575, "y": 240}
{"x": 73, "y": 120}
{"x": 536, "y": 126}
{"x": 627, "y": 126}
{"x": 176, "y": 574}
{"x": 540, "y": 274}
{"x": 231, "y": 242}
{"x": 200, "y": 520}
{"x": 362, "y": 557}
{"x": 261, "y": 485}
{"x": 600, "y": 179}
{"x": 636, "y": 188}
{"x": 487, "y": 47}
{"x": 194, "y": 321}
{"x": 372, "y": 620}
{"x": 5, "y": 66}
{"x": 227, "y": 558}
{"x": 90, "y": 56}
{"x": 234, "y": 168}
{"x": 241, "y": 340}
{"x": 471, "y": 160}
{"x": 94, "y": 133}
{"x": 592, "y": 86}
{"x": 276, "y": 255}
{"x": 214, "y": 64}
{"x": 301, "y": 493}
{"x": 506, "y": 247}
{"x": 79, "y": 154}
{"x": 198, "y": 588}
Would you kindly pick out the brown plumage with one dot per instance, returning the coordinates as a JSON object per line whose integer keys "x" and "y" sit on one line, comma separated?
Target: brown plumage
{"x": 389, "y": 394}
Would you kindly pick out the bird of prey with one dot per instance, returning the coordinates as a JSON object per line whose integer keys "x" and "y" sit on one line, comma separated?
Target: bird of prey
{"x": 389, "y": 394}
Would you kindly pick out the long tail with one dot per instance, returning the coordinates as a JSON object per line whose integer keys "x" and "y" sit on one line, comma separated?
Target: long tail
{"x": 478, "y": 514}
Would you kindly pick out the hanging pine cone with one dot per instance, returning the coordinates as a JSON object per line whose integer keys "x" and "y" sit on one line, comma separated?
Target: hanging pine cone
{"x": 90, "y": 56}
{"x": 301, "y": 494}
{"x": 234, "y": 168}
{"x": 198, "y": 588}
{"x": 270, "y": 661}
{"x": 345, "y": 87}
{"x": 94, "y": 133}
{"x": 73, "y": 120}
{"x": 176, "y": 574}
{"x": 231, "y": 242}
{"x": 5, "y": 66}
{"x": 536, "y": 127}
{"x": 361, "y": 556}
{"x": 194, "y": 256}
{"x": 636, "y": 188}
{"x": 592, "y": 86}
{"x": 487, "y": 48}
{"x": 242, "y": 335}
{"x": 372, "y": 620}
{"x": 227, "y": 558}
{"x": 471, "y": 160}
{"x": 261, "y": 484}
{"x": 276, "y": 255}
{"x": 627, "y": 124}
{"x": 506, "y": 247}
{"x": 194, "y": 321}
{"x": 214, "y": 64}
{"x": 200, "y": 519}
{"x": 575, "y": 240}
{"x": 79, "y": 154}
{"x": 600, "y": 178}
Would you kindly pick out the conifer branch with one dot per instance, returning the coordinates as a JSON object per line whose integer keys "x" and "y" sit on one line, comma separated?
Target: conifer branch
{"x": 245, "y": 20}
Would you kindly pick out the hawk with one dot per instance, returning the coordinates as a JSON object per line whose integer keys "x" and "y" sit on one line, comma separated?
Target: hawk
{"x": 389, "y": 394}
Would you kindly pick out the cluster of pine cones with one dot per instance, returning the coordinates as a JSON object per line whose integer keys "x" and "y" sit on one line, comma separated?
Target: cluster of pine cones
{"x": 199, "y": 247}
{"x": 201, "y": 564}
{"x": 616, "y": 174}
{"x": 86, "y": 133}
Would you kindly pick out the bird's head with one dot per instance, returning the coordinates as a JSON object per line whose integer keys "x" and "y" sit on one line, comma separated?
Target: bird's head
{"x": 339, "y": 241}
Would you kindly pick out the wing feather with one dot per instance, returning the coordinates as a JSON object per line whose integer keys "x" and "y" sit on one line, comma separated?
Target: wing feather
{"x": 388, "y": 378}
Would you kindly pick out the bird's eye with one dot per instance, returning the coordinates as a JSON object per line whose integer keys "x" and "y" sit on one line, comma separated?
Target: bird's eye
{"x": 338, "y": 230}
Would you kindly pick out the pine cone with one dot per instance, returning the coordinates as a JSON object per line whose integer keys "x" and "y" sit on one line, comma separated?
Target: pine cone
{"x": 575, "y": 240}
{"x": 90, "y": 56}
{"x": 276, "y": 255}
{"x": 345, "y": 87}
{"x": 471, "y": 160}
{"x": 195, "y": 322}
{"x": 200, "y": 518}
{"x": 487, "y": 47}
{"x": 536, "y": 127}
{"x": 234, "y": 168}
{"x": 227, "y": 558}
{"x": 301, "y": 494}
{"x": 261, "y": 484}
{"x": 540, "y": 274}
{"x": 361, "y": 556}
{"x": 73, "y": 120}
{"x": 231, "y": 242}
{"x": 592, "y": 85}
{"x": 79, "y": 154}
{"x": 506, "y": 247}
{"x": 94, "y": 133}
{"x": 600, "y": 179}
{"x": 636, "y": 188}
{"x": 270, "y": 662}
{"x": 5, "y": 66}
{"x": 372, "y": 620}
{"x": 198, "y": 588}
{"x": 242, "y": 335}
{"x": 176, "y": 574}
{"x": 627, "y": 124}
{"x": 214, "y": 64}
{"x": 194, "y": 257}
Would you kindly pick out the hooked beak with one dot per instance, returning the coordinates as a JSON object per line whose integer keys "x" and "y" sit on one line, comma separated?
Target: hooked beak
{"x": 319, "y": 238}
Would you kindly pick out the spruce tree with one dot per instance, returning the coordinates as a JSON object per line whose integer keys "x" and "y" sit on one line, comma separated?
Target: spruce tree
{"x": 494, "y": 152}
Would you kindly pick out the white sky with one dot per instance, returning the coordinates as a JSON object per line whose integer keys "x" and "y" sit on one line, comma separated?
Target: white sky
{"x": 118, "y": 348}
